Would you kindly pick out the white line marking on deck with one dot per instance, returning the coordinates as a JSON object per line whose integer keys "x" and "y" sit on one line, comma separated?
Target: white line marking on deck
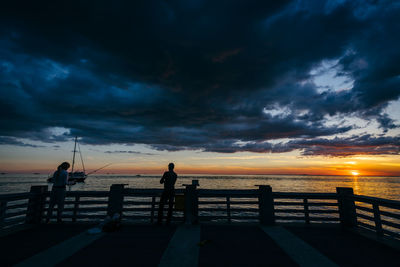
{"x": 183, "y": 249}
{"x": 61, "y": 251}
{"x": 301, "y": 252}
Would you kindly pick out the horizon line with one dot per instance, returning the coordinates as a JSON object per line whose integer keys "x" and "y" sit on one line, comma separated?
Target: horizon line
{"x": 204, "y": 174}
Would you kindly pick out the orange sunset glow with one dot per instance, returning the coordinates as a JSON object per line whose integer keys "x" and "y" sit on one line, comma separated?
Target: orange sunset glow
{"x": 188, "y": 162}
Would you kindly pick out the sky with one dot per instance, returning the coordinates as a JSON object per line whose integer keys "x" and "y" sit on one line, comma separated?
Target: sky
{"x": 227, "y": 87}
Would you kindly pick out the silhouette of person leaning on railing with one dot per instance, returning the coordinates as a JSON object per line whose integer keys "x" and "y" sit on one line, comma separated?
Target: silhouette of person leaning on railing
{"x": 57, "y": 196}
{"x": 168, "y": 179}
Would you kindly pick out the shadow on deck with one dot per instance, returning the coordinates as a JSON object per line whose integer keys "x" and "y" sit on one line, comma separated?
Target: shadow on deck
{"x": 202, "y": 245}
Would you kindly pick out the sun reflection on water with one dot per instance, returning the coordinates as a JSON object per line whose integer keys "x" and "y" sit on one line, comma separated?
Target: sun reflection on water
{"x": 356, "y": 184}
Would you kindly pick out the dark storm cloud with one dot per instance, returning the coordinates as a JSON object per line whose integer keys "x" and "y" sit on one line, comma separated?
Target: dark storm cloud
{"x": 5, "y": 140}
{"x": 354, "y": 145}
{"x": 199, "y": 75}
{"x": 128, "y": 152}
{"x": 386, "y": 123}
{"x": 337, "y": 147}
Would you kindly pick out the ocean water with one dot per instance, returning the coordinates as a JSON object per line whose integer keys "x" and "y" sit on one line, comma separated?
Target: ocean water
{"x": 383, "y": 187}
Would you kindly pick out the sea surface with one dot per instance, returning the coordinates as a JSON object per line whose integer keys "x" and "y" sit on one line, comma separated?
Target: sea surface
{"x": 383, "y": 187}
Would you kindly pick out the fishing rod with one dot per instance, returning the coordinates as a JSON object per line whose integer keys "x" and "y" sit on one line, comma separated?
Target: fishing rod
{"x": 99, "y": 169}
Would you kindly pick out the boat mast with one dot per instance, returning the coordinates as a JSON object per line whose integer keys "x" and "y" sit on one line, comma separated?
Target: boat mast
{"x": 80, "y": 153}
{"x": 73, "y": 158}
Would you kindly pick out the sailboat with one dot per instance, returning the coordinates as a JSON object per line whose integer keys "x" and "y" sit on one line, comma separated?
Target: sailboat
{"x": 75, "y": 176}
{"x": 81, "y": 175}
{"x": 78, "y": 176}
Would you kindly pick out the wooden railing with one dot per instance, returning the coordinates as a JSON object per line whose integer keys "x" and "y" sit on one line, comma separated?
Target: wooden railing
{"x": 141, "y": 205}
{"x": 83, "y": 205}
{"x": 209, "y": 205}
{"x": 227, "y": 205}
{"x": 14, "y": 209}
{"x": 379, "y": 215}
{"x": 243, "y": 206}
{"x": 306, "y": 207}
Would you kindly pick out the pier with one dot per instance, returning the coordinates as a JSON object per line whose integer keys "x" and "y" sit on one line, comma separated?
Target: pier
{"x": 209, "y": 227}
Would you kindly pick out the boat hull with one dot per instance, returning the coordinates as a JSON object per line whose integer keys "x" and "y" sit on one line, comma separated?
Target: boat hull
{"x": 77, "y": 177}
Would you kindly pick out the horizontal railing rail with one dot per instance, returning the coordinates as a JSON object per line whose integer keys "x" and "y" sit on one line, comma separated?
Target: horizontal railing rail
{"x": 221, "y": 205}
{"x": 296, "y": 195}
{"x": 307, "y": 207}
{"x": 14, "y": 209}
{"x": 209, "y": 205}
{"x": 83, "y": 206}
{"x": 141, "y": 205}
{"x": 87, "y": 193}
{"x": 15, "y": 196}
{"x": 377, "y": 214}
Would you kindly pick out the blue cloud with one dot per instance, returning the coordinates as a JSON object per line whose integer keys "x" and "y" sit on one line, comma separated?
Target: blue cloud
{"x": 201, "y": 76}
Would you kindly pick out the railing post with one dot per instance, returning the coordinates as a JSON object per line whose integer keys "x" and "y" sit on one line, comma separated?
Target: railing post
{"x": 36, "y": 204}
{"x": 347, "y": 207}
{"x": 191, "y": 204}
{"x": 76, "y": 207}
{"x": 377, "y": 219}
{"x": 115, "y": 200}
{"x": 306, "y": 211}
{"x": 3, "y": 208}
{"x": 266, "y": 205}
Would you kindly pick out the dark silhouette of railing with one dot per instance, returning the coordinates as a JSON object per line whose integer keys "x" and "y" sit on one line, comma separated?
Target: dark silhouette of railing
{"x": 378, "y": 214}
{"x": 211, "y": 205}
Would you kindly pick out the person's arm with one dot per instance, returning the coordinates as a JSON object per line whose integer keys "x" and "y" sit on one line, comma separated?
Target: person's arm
{"x": 163, "y": 178}
{"x": 54, "y": 177}
{"x": 67, "y": 181}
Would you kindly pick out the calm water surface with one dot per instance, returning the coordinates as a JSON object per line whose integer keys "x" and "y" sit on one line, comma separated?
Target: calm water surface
{"x": 384, "y": 187}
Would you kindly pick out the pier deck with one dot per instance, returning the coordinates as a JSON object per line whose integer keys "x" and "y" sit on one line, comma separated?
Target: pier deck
{"x": 194, "y": 245}
{"x": 214, "y": 227}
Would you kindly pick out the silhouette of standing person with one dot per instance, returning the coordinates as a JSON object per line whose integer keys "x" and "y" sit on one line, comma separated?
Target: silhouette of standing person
{"x": 168, "y": 179}
{"x": 57, "y": 196}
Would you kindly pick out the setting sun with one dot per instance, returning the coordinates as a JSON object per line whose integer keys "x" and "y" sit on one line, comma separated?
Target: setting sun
{"x": 355, "y": 173}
